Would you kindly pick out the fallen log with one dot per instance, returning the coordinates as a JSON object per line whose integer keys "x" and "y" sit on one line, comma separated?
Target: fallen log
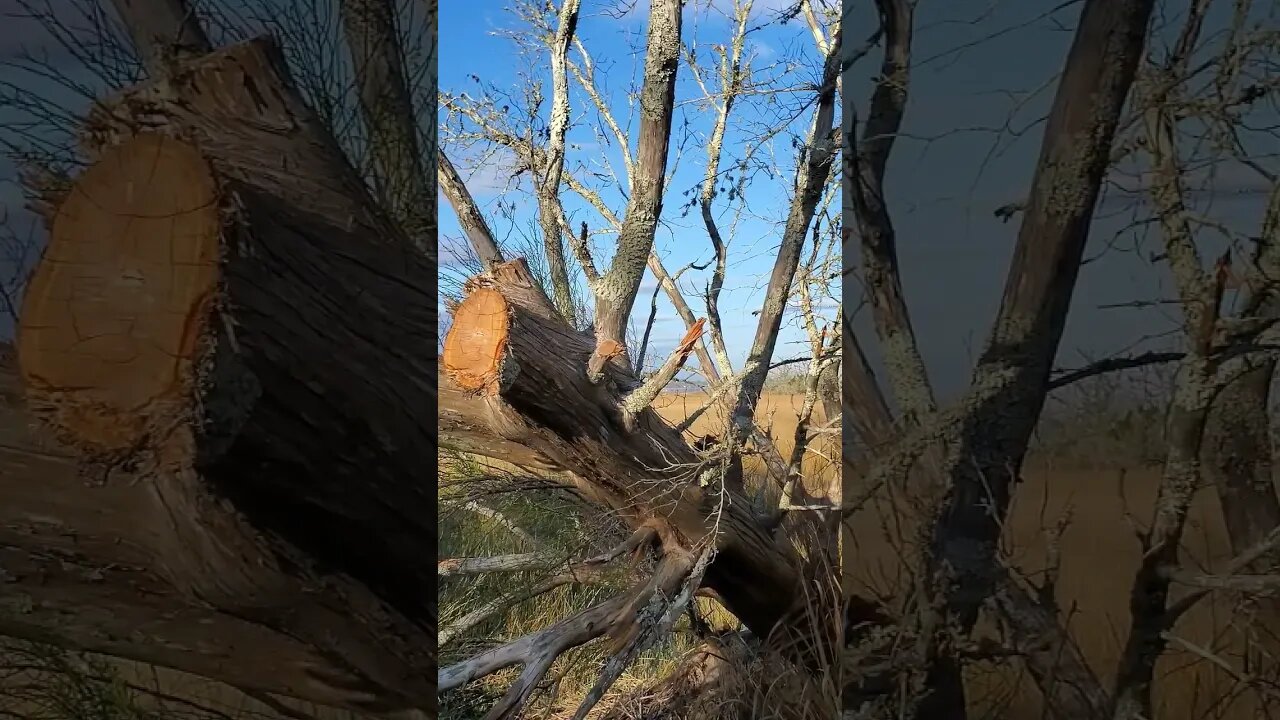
{"x": 464, "y": 428}
{"x": 509, "y": 349}
{"x": 224, "y": 316}
{"x": 78, "y": 569}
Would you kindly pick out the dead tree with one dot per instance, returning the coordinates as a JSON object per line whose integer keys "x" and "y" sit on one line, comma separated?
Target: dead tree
{"x": 1219, "y": 425}
{"x": 1228, "y": 360}
{"x": 1237, "y": 446}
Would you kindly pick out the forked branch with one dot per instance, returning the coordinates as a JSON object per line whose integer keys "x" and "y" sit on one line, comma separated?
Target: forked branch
{"x": 643, "y": 396}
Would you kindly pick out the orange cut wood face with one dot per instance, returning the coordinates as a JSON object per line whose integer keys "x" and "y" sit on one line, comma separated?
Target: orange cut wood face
{"x": 115, "y": 309}
{"x": 477, "y": 342}
{"x": 610, "y": 349}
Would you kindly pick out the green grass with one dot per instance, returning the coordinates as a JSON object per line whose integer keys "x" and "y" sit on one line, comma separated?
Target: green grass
{"x": 560, "y": 527}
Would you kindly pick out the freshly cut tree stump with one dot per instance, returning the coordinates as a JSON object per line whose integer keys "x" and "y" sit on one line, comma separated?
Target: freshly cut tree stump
{"x": 226, "y": 315}
{"x": 475, "y": 348}
{"x": 80, "y": 572}
{"x": 111, "y": 323}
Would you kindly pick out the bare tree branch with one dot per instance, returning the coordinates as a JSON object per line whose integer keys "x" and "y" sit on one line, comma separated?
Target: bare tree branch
{"x": 162, "y": 30}
{"x": 881, "y": 274}
{"x": 550, "y": 209}
{"x": 403, "y": 182}
{"x": 815, "y": 169}
{"x": 618, "y": 287}
{"x": 469, "y": 216}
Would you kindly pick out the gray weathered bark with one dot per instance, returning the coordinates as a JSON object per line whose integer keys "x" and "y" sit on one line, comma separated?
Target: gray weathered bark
{"x": 1237, "y": 449}
{"x": 881, "y": 274}
{"x": 615, "y": 293}
{"x": 468, "y": 213}
{"x": 1199, "y": 377}
{"x": 549, "y": 176}
{"x": 1011, "y": 378}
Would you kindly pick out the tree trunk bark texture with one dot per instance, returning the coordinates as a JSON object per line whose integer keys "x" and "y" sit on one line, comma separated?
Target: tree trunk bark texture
{"x": 407, "y": 190}
{"x": 162, "y": 31}
{"x": 1011, "y": 379}
{"x": 225, "y": 321}
{"x": 508, "y": 347}
{"x": 1236, "y": 457}
{"x": 616, "y": 293}
{"x": 81, "y": 566}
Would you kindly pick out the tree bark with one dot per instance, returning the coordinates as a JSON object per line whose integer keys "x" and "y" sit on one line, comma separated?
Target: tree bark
{"x": 815, "y": 172}
{"x": 162, "y": 31}
{"x": 223, "y": 311}
{"x": 881, "y": 273}
{"x": 1011, "y": 379}
{"x": 385, "y": 103}
{"x": 1237, "y": 458}
{"x": 616, "y": 291}
{"x": 464, "y": 427}
{"x": 508, "y": 345}
{"x": 1237, "y": 449}
{"x": 467, "y": 211}
{"x": 547, "y": 178}
{"x": 81, "y": 562}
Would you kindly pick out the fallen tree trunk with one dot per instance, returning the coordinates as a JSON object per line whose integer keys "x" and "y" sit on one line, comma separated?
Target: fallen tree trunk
{"x": 508, "y": 347}
{"x": 464, "y": 427}
{"x": 78, "y": 569}
{"x": 224, "y": 314}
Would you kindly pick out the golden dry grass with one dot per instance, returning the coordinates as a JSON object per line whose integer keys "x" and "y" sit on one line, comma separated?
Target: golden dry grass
{"x": 779, "y": 415}
{"x": 1099, "y": 555}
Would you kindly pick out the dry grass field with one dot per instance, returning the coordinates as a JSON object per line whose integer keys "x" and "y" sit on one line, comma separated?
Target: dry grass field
{"x": 780, "y": 414}
{"x": 1099, "y": 551}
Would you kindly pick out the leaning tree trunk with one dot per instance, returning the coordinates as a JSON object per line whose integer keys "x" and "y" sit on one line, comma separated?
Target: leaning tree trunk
{"x": 615, "y": 293}
{"x": 1011, "y": 379}
{"x": 223, "y": 314}
{"x": 534, "y": 374}
{"x": 387, "y": 108}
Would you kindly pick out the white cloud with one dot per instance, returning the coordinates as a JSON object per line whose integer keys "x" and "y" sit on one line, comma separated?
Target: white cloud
{"x": 490, "y": 177}
{"x": 763, "y": 50}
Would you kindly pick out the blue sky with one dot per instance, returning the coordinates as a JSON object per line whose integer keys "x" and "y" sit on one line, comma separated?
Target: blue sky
{"x": 473, "y": 44}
